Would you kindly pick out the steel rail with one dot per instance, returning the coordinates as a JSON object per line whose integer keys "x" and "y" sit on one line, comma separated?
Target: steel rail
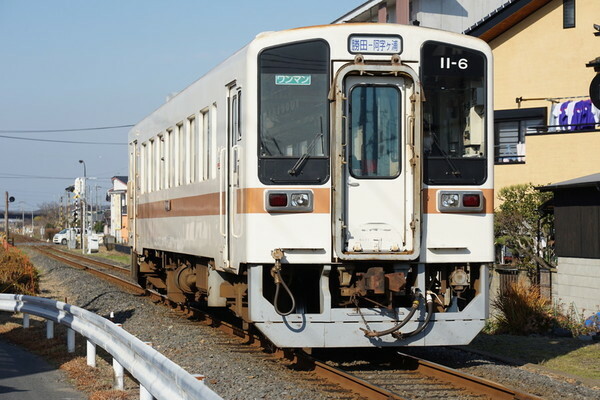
{"x": 346, "y": 380}
{"x": 124, "y": 283}
{"x": 470, "y": 382}
{"x": 327, "y": 372}
{"x": 88, "y": 260}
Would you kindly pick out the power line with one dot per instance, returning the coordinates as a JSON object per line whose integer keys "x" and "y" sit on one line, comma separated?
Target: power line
{"x": 19, "y": 176}
{"x": 98, "y": 128}
{"x": 61, "y": 141}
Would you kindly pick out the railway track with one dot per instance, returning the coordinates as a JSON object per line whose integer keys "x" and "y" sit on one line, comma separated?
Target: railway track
{"x": 372, "y": 374}
{"x": 110, "y": 272}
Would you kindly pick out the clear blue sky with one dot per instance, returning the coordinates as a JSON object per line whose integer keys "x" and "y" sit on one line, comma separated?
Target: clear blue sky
{"x": 95, "y": 63}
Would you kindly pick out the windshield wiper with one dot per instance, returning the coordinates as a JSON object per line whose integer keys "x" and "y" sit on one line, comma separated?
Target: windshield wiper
{"x": 294, "y": 170}
{"x": 455, "y": 171}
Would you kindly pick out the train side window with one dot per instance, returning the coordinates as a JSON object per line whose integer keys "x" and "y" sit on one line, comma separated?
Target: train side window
{"x": 143, "y": 168}
{"x": 205, "y": 144}
{"x": 170, "y": 162}
{"x": 236, "y": 114}
{"x": 234, "y": 119}
{"x": 239, "y": 116}
{"x": 191, "y": 166}
{"x": 212, "y": 145}
{"x": 160, "y": 162}
{"x": 181, "y": 145}
{"x": 150, "y": 171}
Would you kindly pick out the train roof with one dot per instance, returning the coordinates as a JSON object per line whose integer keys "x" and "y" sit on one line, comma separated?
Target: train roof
{"x": 272, "y": 38}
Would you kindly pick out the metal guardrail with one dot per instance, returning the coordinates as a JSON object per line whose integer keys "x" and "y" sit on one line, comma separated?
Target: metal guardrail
{"x": 158, "y": 376}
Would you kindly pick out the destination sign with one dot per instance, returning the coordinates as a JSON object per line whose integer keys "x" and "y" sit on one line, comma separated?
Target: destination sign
{"x": 374, "y": 44}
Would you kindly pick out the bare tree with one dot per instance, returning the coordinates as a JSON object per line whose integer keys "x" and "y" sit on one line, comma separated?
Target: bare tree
{"x": 51, "y": 216}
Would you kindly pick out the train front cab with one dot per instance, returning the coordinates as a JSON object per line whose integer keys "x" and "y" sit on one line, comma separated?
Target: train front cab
{"x": 411, "y": 211}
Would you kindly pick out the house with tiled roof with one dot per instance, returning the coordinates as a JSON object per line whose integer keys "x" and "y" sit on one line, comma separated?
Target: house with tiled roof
{"x": 542, "y": 51}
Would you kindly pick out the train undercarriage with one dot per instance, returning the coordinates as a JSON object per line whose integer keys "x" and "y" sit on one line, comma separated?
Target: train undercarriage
{"x": 294, "y": 291}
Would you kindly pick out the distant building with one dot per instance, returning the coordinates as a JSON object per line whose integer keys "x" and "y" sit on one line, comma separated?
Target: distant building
{"x": 455, "y": 16}
{"x": 577, "y": 233}
{"x": 541, "y": 49}
{"x": 119, "y": 227}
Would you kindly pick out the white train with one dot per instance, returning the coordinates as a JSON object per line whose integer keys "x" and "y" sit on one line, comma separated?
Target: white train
{"x": 331, "y": 185}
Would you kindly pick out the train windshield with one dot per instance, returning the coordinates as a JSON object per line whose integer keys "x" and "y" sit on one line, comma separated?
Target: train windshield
{"x": 294, "y": 111}
{"x": 454, "y": 113}
{"x": 293, "y": 99}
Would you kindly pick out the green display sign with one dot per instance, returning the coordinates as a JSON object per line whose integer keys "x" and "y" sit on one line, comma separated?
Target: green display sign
{"x": 293, "y": 80}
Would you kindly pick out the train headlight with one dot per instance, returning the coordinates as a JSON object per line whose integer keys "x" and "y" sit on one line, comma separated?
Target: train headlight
{"x": 449, "y": 200}
{"x": 300, "y": 200}
{"x": 288, "y": 201}
{"x": 460, "y": 201}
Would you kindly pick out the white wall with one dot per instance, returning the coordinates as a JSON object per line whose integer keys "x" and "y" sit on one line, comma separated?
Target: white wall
{"x": 578, "y": 281}
{"x": 452, "y": 15}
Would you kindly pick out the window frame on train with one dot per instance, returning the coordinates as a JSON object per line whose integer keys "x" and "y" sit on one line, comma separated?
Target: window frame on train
{"x": 449, "y": 159}
{"x": 306, "y": 84}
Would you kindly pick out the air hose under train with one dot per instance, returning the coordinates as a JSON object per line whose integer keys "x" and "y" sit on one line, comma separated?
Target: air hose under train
{"x": 400, "y": 335}
{"x": 394, "y": 330}
{"x": 277, "y": 254}
{"x": 415, "y": 305}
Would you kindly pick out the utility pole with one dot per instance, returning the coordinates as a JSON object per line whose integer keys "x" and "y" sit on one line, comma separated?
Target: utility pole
{"x": 84, "y": 208}
{"x": 6, "y": 216}
{"x": 7, "y": 200}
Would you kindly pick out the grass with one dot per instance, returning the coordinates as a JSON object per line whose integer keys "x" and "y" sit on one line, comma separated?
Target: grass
{"x": 584, "y": 362}
{"x": 519, "y": 331}
{"x": 567, "y": 355}
{"x": 113, "y": 255}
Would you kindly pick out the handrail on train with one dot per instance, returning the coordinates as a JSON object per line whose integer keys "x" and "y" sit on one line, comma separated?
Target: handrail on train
{"x": 159, "y": 377}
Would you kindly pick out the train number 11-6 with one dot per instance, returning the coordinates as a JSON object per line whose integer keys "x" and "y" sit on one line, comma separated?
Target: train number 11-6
{"x": 448, "y": 63}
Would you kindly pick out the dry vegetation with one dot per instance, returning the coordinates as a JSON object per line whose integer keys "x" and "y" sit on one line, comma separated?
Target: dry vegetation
{"x": 523, "y": 327}
{"x": 522, "y": 310}
{"x": 17, "y": 274}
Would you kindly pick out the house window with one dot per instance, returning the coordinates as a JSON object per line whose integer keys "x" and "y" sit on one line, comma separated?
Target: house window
{"x": 510, "y": 130}
{"x": 568, "y": 14}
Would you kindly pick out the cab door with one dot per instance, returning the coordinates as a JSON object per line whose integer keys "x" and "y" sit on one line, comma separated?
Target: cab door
{"x": 377, "y": 181}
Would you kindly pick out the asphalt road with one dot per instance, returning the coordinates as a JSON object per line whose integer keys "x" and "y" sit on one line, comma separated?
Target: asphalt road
{"x": 25, "y": 376}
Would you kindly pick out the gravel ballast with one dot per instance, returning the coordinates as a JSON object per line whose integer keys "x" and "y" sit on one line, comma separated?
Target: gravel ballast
{"x": 235, "y": 370}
